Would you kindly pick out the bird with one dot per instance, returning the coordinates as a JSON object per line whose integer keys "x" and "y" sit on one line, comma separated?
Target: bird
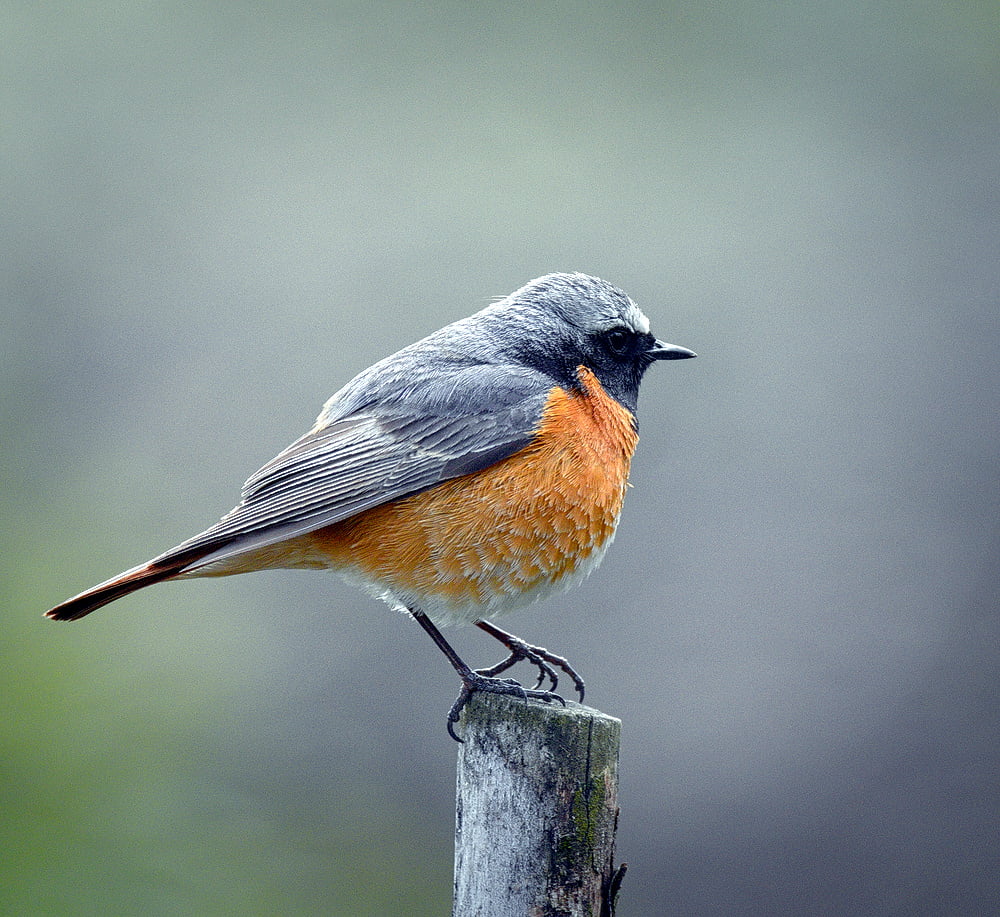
{"x": 474, "y": 472}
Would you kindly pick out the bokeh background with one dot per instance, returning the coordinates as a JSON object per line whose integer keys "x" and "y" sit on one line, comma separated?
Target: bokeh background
{"x": 215, "y": 214}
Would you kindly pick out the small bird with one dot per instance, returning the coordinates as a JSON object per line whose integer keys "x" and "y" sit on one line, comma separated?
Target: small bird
{"x": 472, "y": 473}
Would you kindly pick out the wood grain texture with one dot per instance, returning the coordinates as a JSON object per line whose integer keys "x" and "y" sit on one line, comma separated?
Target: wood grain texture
{"x": 537, "y": 809}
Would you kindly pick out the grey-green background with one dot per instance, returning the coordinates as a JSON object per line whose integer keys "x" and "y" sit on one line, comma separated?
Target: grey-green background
{"x": 215, "y": 214}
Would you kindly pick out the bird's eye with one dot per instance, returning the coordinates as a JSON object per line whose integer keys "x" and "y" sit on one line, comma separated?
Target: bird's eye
{"x": 617, "y": 340}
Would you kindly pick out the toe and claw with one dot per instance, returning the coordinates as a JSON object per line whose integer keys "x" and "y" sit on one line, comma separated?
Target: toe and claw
{"x": 487, "y": 680}
{"x": 476, "y": 681}
{"x": 538, "y": 656}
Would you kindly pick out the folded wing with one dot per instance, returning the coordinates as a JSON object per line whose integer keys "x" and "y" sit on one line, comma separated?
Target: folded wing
{"x": 356, "y": 463}
{"x": 385, "y": 436}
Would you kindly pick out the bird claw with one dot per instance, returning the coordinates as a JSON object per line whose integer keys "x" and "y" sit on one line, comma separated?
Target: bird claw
{"x": 486, "y": 680}
{"x": 545, "y": 671}
{"x": 538, "y": 656}
{"x": 490, "y": 684}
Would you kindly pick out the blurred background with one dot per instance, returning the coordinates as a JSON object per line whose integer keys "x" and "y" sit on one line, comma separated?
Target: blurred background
{"x": 215, "y": 214}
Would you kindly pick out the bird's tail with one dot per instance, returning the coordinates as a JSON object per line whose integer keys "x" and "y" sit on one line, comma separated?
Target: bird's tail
{"x": 155, "y": 571}
{"x": 221, "y": 550}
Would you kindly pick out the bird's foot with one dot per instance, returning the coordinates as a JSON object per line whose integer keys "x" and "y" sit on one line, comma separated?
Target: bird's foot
{"x": 477, "y": 681}
{"x": 538, "y": 656}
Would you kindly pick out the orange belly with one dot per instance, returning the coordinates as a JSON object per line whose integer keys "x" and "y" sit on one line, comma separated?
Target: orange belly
{"x": 502, "y": 537}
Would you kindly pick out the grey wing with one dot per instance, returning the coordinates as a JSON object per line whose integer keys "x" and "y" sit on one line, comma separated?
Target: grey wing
{"x": 357, "y": 462}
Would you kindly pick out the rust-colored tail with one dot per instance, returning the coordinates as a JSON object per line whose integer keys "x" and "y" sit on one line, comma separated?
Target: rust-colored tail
{"x": 98, "y": 596}
{"x": 155, "y": 571}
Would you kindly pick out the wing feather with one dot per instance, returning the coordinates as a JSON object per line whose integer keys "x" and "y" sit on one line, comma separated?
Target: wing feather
{"x": 357, "y": 460}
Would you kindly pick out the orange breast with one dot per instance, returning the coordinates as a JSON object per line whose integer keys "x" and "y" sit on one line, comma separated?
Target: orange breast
{"x": 499, "y": 537}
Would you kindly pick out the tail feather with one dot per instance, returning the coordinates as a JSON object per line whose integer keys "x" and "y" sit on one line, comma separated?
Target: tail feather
{"x": 204, "y": 550}
{"x": 98, "y": 596}
{"x": 161, "y": 568}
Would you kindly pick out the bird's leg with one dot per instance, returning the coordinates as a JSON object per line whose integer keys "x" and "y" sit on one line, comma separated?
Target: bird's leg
{"x": 475, "y": 681}
{"x": 536, "y": 655}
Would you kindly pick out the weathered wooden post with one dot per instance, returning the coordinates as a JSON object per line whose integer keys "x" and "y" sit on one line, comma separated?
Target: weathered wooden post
{"x": 537, "y": 810}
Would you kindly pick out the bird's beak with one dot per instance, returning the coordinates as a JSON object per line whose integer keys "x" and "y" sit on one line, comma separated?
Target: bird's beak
{"x": 662, "y": 351}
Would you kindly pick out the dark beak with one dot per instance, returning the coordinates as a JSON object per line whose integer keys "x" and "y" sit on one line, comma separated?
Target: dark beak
{"x": 661, "y": 351}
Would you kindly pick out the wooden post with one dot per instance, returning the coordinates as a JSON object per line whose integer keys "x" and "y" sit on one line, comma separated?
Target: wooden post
{"x": 537, "y": 810}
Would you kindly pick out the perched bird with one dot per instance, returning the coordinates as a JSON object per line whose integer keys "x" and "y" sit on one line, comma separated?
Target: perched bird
{"x": 474, "y": 472}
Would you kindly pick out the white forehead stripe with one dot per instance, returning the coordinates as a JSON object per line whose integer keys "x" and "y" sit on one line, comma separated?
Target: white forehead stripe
{"x": 639, "y": 321}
